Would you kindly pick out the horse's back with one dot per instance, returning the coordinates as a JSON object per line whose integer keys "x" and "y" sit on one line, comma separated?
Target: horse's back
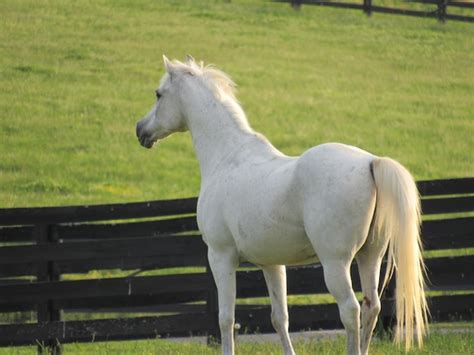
{"x": 331, "y": 164}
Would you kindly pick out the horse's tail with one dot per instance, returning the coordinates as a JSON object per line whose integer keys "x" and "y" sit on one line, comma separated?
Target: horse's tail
{"x": 397, "y": 216}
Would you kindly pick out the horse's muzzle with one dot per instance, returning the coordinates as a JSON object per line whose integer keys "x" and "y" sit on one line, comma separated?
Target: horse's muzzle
{"x": 144, "y": 139}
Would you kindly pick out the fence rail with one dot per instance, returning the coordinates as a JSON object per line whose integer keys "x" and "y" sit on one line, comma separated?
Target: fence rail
{"x": 440, "y": 11}
{"x": 40, "y": 247}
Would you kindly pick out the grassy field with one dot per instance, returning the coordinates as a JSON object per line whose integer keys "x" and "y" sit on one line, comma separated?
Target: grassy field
{"x": 436, "y": 343}
{"x": 77, "y": 75}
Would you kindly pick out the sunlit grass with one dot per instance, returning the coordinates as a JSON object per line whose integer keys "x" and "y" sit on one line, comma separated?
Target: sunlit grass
{"x": 77, "y": 75}
{"x": 436, "y": 343}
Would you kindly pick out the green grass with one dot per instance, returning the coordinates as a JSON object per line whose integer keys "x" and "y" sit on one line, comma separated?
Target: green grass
{"x": 77, "y": 75}
{"x": 437, "y": 343}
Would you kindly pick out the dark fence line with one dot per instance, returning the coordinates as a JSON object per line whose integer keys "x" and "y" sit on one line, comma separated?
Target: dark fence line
{"x": 255, "y": 318}
{"x": 68, "y": 214}
{"x": 112, "y": 293}
{"x": 48, "y": 215}
{"x": 40, "y": 246}
{"x": 440, "y": 12}
{"x": 159, "y": 244}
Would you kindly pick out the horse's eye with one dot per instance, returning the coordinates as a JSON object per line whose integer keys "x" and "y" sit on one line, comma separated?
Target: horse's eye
{"x": 158, "y": 95}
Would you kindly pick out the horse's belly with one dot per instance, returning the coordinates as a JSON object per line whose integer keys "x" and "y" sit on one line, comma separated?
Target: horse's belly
{"x": 279, "y": 245}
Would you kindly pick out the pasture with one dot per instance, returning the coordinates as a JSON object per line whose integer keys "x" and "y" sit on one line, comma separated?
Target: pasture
{"x": 438, "y": 343}
{"x": 77, "y": 75}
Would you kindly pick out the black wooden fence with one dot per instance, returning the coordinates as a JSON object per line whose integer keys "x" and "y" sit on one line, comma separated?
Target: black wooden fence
{"x": 434, "y": 8}
{"x": 40, "y": 247}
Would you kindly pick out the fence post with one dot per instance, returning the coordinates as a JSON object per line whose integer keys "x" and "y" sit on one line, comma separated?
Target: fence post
{"x": 296, "y": 4}
{"x": 368, "y": 7}
{"x": 212, "y": 308}
{"x": 47, "y": 271}
{"x": 442, "y": 7}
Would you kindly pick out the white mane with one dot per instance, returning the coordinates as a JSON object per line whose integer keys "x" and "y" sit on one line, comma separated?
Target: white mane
{"x": 218, "y": 81}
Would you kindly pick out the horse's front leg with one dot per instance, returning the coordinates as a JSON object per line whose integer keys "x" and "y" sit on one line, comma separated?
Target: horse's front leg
{"x": 275, "y": 277}
{"x": 223, "y": 265}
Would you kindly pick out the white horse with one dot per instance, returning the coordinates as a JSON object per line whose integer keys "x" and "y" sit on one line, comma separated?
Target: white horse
{"x": 334, "y": 203}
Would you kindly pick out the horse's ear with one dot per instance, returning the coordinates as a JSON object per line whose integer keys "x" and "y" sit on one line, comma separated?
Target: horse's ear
{"x": 169, "y": 66}
{"x": 189, "y": 59}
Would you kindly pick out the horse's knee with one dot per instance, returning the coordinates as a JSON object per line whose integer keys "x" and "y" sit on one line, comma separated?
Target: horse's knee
{"x": 349, "y": 311}
{"x": 279, "y": 320}
{"x": 226, "y": 321}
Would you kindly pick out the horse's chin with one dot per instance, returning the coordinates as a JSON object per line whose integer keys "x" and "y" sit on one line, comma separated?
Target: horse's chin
{"x": 148, "y": 143}
{"x": 149, "y": 146}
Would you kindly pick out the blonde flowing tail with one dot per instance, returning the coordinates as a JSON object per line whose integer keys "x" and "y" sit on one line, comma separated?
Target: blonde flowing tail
{"x": 398, "y": 217}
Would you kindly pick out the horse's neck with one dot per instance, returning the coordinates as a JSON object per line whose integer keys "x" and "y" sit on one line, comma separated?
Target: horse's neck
{"x": 220, "y": 136}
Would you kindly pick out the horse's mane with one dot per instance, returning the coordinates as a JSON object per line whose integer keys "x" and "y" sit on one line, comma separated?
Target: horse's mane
{"x": 218, "y": 81}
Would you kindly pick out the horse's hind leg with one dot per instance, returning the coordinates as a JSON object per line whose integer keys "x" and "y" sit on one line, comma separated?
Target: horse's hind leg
{"x": 369, "y": 259}
{"x": 338, "y": 281}
{"x": 336, "y": 244}
{"x": 335, "y": 249}
{"x": 275, "y": 277}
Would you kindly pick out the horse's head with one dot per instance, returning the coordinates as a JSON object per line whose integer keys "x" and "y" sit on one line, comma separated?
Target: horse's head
{"x": 166, "y": 116}
{"x": 177, "y": 98}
